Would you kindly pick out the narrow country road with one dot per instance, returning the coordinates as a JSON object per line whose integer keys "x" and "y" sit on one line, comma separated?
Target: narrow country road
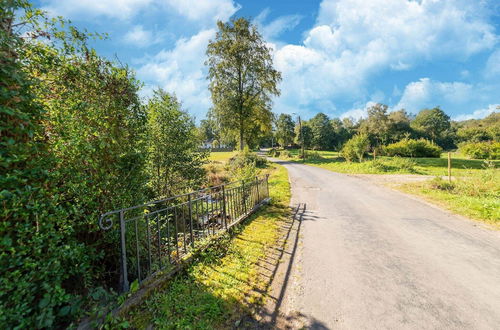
{"x": 369, "y": 257}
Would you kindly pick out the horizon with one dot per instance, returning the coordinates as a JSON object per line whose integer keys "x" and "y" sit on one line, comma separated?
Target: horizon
{"x": 336, "y": 57}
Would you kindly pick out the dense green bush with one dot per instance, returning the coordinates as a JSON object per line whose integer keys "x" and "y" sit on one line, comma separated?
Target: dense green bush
{"x": 244, "y": 165}
{"x": 481, "y": 150}
{"x": 73, "y": 146}
{"x": 355, "y": 148}
{"x": 413, "y": 148}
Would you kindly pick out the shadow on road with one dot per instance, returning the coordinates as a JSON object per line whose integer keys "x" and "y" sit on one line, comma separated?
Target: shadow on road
{"x": 277, "y": 268}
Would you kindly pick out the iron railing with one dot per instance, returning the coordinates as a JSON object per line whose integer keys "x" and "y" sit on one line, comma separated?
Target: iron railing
{"x": 159, "y": 234}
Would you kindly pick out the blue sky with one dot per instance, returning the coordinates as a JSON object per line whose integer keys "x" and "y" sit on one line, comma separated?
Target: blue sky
{"x": 336, "y": 56}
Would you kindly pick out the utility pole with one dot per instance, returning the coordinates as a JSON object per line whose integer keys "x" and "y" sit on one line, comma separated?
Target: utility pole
{"x": 302, "y": 138}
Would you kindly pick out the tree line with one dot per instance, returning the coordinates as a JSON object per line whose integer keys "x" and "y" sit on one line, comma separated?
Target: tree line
{"x": 383, "y": 127}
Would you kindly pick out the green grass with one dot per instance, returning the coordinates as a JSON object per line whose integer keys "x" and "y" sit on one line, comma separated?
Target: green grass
{"x": 475, "y": 195}
{"x": 331, "y": 160}
{"x": 222, "y": 156}
{"x": 223, "y": 284}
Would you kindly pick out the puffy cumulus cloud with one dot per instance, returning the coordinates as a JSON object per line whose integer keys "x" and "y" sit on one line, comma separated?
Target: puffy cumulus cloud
{"x": 276, "y": 27}
{"x": 358, "y": 113}
{"x": 492, "y": 69}
{"x": 426, "y": 92}
{"x": 208, "y": 11}
{"x": 120, "y": 9}
{"x": 140, "y": 37}
{"x": 181, "y": 70}
{"x": 355, "y": 39}
{"x": 480, "y": 113}
{"x": 200, "y": 11}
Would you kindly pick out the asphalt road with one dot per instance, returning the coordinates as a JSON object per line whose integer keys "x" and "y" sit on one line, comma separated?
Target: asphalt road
{"x": 373, "y": 258}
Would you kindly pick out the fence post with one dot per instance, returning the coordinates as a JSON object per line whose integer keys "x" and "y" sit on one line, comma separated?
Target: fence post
{"x": 267, "y": 184}
{"x": 190, "y": 220}
{"x": 257, "y": 186}
{"x": 224, "y": 205}
{"x": 449, "y": 166}
{"x": 244, "y": 196}
{"x": 125, "y": 284}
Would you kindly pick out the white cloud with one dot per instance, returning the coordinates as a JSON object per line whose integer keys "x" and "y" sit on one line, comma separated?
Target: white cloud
{"x": 358, "y": 113}
{"x": 204, "y": 10}
{"x": 276, "y": 27}
{"x": 181, "y": 70}
{"x": 120, "y": 9}
{"x": 492, "y": 68}
{"x": 200, "y": 11}
{"x": 137, "y": 36}
{"x": 425, "y": 93}
{"x": 480, "y": 113}
{"x": 355, "y": 39}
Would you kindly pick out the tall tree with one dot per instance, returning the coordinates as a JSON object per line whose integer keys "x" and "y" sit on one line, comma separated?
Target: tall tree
{"x": 432, "y": 123}
{"x": 242, "y": 78}
{"x": 323, "y": 135}
{"x": 285, "y": 129}
{"x": 377, "y": 125}
{"x": 174, "y": 162}
{"x": 306, "y": 131}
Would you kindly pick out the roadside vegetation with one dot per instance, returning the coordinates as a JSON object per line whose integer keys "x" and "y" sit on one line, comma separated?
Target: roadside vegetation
{"x": 223, "y": 284}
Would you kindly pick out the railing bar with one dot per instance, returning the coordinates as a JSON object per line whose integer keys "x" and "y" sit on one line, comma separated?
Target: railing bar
{"x": 137, "y": 253}
{"x": 158, "y": 229}
{"x": 184, "y": 225}
{"x": 148, "y": 233}
{"x": 168, "y": 240}
{"x": 191, "y": 221}
{"x": 176, "y": 234}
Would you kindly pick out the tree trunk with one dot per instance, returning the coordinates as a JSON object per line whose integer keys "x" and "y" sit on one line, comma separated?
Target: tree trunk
{"x": 241, "y": 136}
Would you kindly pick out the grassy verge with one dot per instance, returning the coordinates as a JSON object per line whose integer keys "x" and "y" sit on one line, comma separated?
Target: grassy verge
{"x": 331, "y": 160}
{"x": 476, "y": 195}
{"x": 221, "y": 156}
{"x": 223, "y": 284}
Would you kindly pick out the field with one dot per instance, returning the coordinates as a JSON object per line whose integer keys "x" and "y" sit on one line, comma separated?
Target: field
{"x": 224, "y": 284}
{"x": 473, "y": 192}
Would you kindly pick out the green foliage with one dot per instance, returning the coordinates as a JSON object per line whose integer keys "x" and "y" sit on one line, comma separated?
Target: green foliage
{"x": 413, "y": 148}
{"x": 356, "y": 147}
{"x": 285, "y": 130}
{"x": 244, "y": 165}
{"x": 242, "y": 80}
{"x": 323, "y": 136}
{"x": 173, "y": 161}
{"x": 72, "y": 147}
{"x": 396, "y": 164}
{"x": 433, "y": 124}
{"x": 481, "y": 150}
{"x": 307, "y": 137}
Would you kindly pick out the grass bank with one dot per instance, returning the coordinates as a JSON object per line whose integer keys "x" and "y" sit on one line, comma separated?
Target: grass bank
{"x": 224, "y": 283}
{"x": 475, "y": 194}
{"x": 331, "y": 160}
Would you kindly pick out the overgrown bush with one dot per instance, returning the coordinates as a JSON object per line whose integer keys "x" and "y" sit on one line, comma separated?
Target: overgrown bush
{"x": 413, "y": 148}
{"x": 355, "y": 148}
{"x": 273, "y": 152}
{"x": 313, "y": 155}
{"x": 481, "y": 150}
{"x": 396, "y": 164}
{"x": 244, "y": 165}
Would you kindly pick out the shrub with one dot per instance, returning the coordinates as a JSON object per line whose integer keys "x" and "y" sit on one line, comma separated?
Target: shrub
{"x": 356, "y": 147}
{"x": 243, "y": 166}
{"x": 313, "y": 155}
{"x": 273, "y": 152}
{"x": 481, "y": 150}
{"x": 396, "y": 164}
{"x": 413, "y": 148}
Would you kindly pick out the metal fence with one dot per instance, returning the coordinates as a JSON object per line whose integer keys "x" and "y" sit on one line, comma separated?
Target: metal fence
{"x": 157, "y": 235}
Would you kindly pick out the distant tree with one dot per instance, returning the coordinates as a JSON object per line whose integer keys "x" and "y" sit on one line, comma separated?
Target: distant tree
{"x": 377, "y": 125}
{"x": 207, "y": 130}
{"x": 431, "y": 123}
{"x": 341, "y": 133}
{"x": 242, "y": 79}
{"x": 285, "y": 130}
{"x": 174, "y": 162}
{"x": 399, "y": 125}
{"x": 307, "y": 132}
{"x": 323, "y": 135}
